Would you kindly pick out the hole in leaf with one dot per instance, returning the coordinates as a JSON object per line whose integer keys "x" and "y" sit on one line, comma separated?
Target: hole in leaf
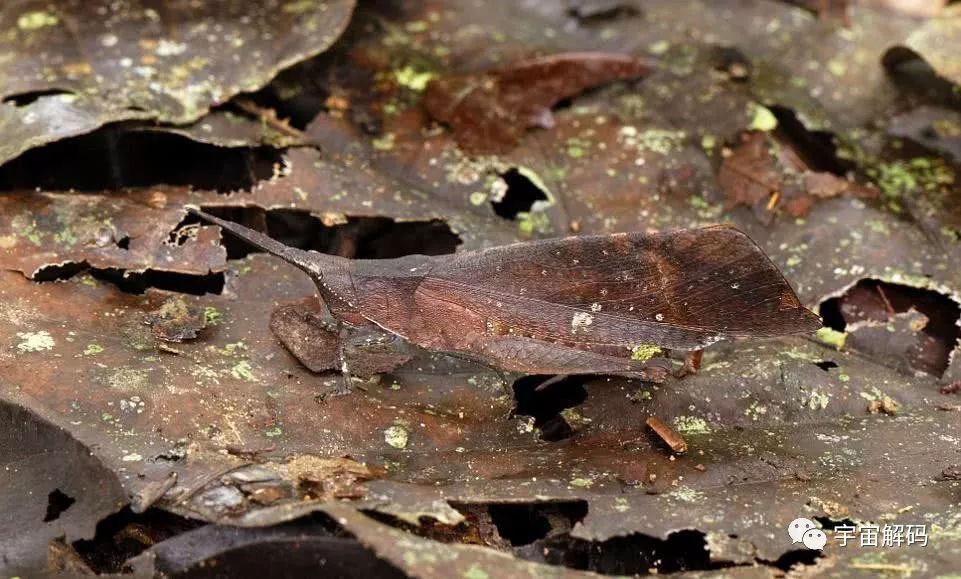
{"x": 114, "y": 158}
{"x": 917, "y": 80}
{"x": 541, "y": 532}
{"x": 546, "y": 404}
{"x": 634, "y": 554}
{"x": 125, "y": 534}
{"x": 815, "y": 148}
{"x": 26, "y": 98}
{"x": 796, "y": 557}
{"x": 359, "y": 238}
{"x": 593, "y": 13}
{"x": 137, "y": 283}
{"x": 57, "y": 503}
{"x": 519, "y": 196}
{"x": 826, "y": 365}
{"x": 872, "y": 300}
{"x": 523, "y": 524}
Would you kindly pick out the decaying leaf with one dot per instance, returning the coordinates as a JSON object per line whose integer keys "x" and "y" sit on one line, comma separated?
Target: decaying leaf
{"x": 53, "y": 117}
{"x": 767, "y": 175}
{"x": 176, "y": 320}
{"x": 490, "y": 111}
{"x": 132, "y": 233}
{"x": 907, "y": 328}
{"x": 53, "y": 486}
{"x": 453, "y": 469}
{"x": 143, "y": 59}
{"x": 934, "y": 41}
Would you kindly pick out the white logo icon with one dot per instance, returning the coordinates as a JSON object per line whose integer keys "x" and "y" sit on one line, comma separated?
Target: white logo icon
{"x": 803, "y": 531}
{"x": 814, "y": 539}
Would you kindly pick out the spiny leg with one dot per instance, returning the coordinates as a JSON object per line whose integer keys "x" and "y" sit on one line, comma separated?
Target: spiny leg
{"x": 345, "y": 378}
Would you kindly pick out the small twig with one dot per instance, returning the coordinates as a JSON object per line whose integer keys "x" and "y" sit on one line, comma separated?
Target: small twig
{"x": 882, "y": 567}
{"x": 667, "y": 434}
{"x": 269, "y": 116}
{"x": 887, "y": 302}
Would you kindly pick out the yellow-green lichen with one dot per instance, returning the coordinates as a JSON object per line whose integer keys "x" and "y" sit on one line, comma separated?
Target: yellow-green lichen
{"x": 384, "y": 142}
{"x": 762, "y": 119}
{"x": 755, "y": 410}
{"x": 691, "y": 425}
{"x": 661, "y": 141}
{"x": 584, "y": 483}
{"x": 212, "y": 315}
{"x": 36, "y": 19}
{"x": 576, "y": 148}
{"x": 530, "y": 222}
{"x": 475, "y": 572}
{"x": 92, "y": 349}
{"x": 831, "y": 337}
{"x": 127, "y": 379}
{"x": 644, "y": 352}
{"x": 243, "y": 371}
{"x": 708, "y": 142}
{"x": 686, "y": 494}
{"x": 659, "y": 47}
{"x": 918, "y": 174}
{"x": 396, "y": 436}
{"x": 413, "y": 78}
{"x": 817, "y": 400}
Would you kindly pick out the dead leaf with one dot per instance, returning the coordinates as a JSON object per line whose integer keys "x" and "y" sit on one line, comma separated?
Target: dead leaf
{"x": 767, "y": 175}
{"x": 489, "y": 112}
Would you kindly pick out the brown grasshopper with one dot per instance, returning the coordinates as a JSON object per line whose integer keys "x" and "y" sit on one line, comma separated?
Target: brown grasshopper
{"x": 593, "y": 304}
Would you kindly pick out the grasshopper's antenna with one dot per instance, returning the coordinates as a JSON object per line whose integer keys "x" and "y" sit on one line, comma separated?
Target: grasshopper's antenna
{"x": 291, "y": 255}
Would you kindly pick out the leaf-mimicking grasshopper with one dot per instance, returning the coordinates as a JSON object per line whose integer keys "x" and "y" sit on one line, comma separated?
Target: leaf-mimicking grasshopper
{"x": 593, "y": 304}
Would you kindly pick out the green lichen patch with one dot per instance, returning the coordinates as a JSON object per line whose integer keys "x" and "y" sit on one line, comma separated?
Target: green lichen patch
{"x": 831, "y": 337}
{"x": 396, "y": 436}
{"x": 92, "y": 349}
{"x": 644, "y": 352}
{"x": 762, "y": 119}
{"x": 128, "y": 379}
{"x": 691, "y": 425}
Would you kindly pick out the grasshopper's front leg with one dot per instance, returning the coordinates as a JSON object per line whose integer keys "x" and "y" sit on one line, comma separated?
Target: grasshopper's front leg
{"x": 692, "y": 363}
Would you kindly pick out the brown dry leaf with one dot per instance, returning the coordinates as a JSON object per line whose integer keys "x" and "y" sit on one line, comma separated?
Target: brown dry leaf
{"x": 53, "y": 486}
{"x": 441, "y": 447}
{"x": 176, "y": 320}
{"x": 490, "y": 111}
{"x": 145, "y": 59}
{"x": 767, "y": 175}
{"x": 134, "y": 233}
{"x": 936, "y": 41}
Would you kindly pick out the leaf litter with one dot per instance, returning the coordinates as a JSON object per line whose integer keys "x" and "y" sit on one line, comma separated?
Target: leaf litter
{"x": 427, "y": 459}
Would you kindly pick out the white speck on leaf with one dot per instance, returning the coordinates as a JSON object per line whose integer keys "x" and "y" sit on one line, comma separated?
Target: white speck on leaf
{"x": 581, "y": 320}
{"x": 35, "y": 341}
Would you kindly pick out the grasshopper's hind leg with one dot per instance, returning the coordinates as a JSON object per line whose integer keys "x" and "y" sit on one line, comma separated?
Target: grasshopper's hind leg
{"x": 530, "y": 356}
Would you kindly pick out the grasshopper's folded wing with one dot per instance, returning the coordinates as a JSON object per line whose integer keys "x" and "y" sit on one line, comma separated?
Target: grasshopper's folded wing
{"x": 681, "y": 289}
